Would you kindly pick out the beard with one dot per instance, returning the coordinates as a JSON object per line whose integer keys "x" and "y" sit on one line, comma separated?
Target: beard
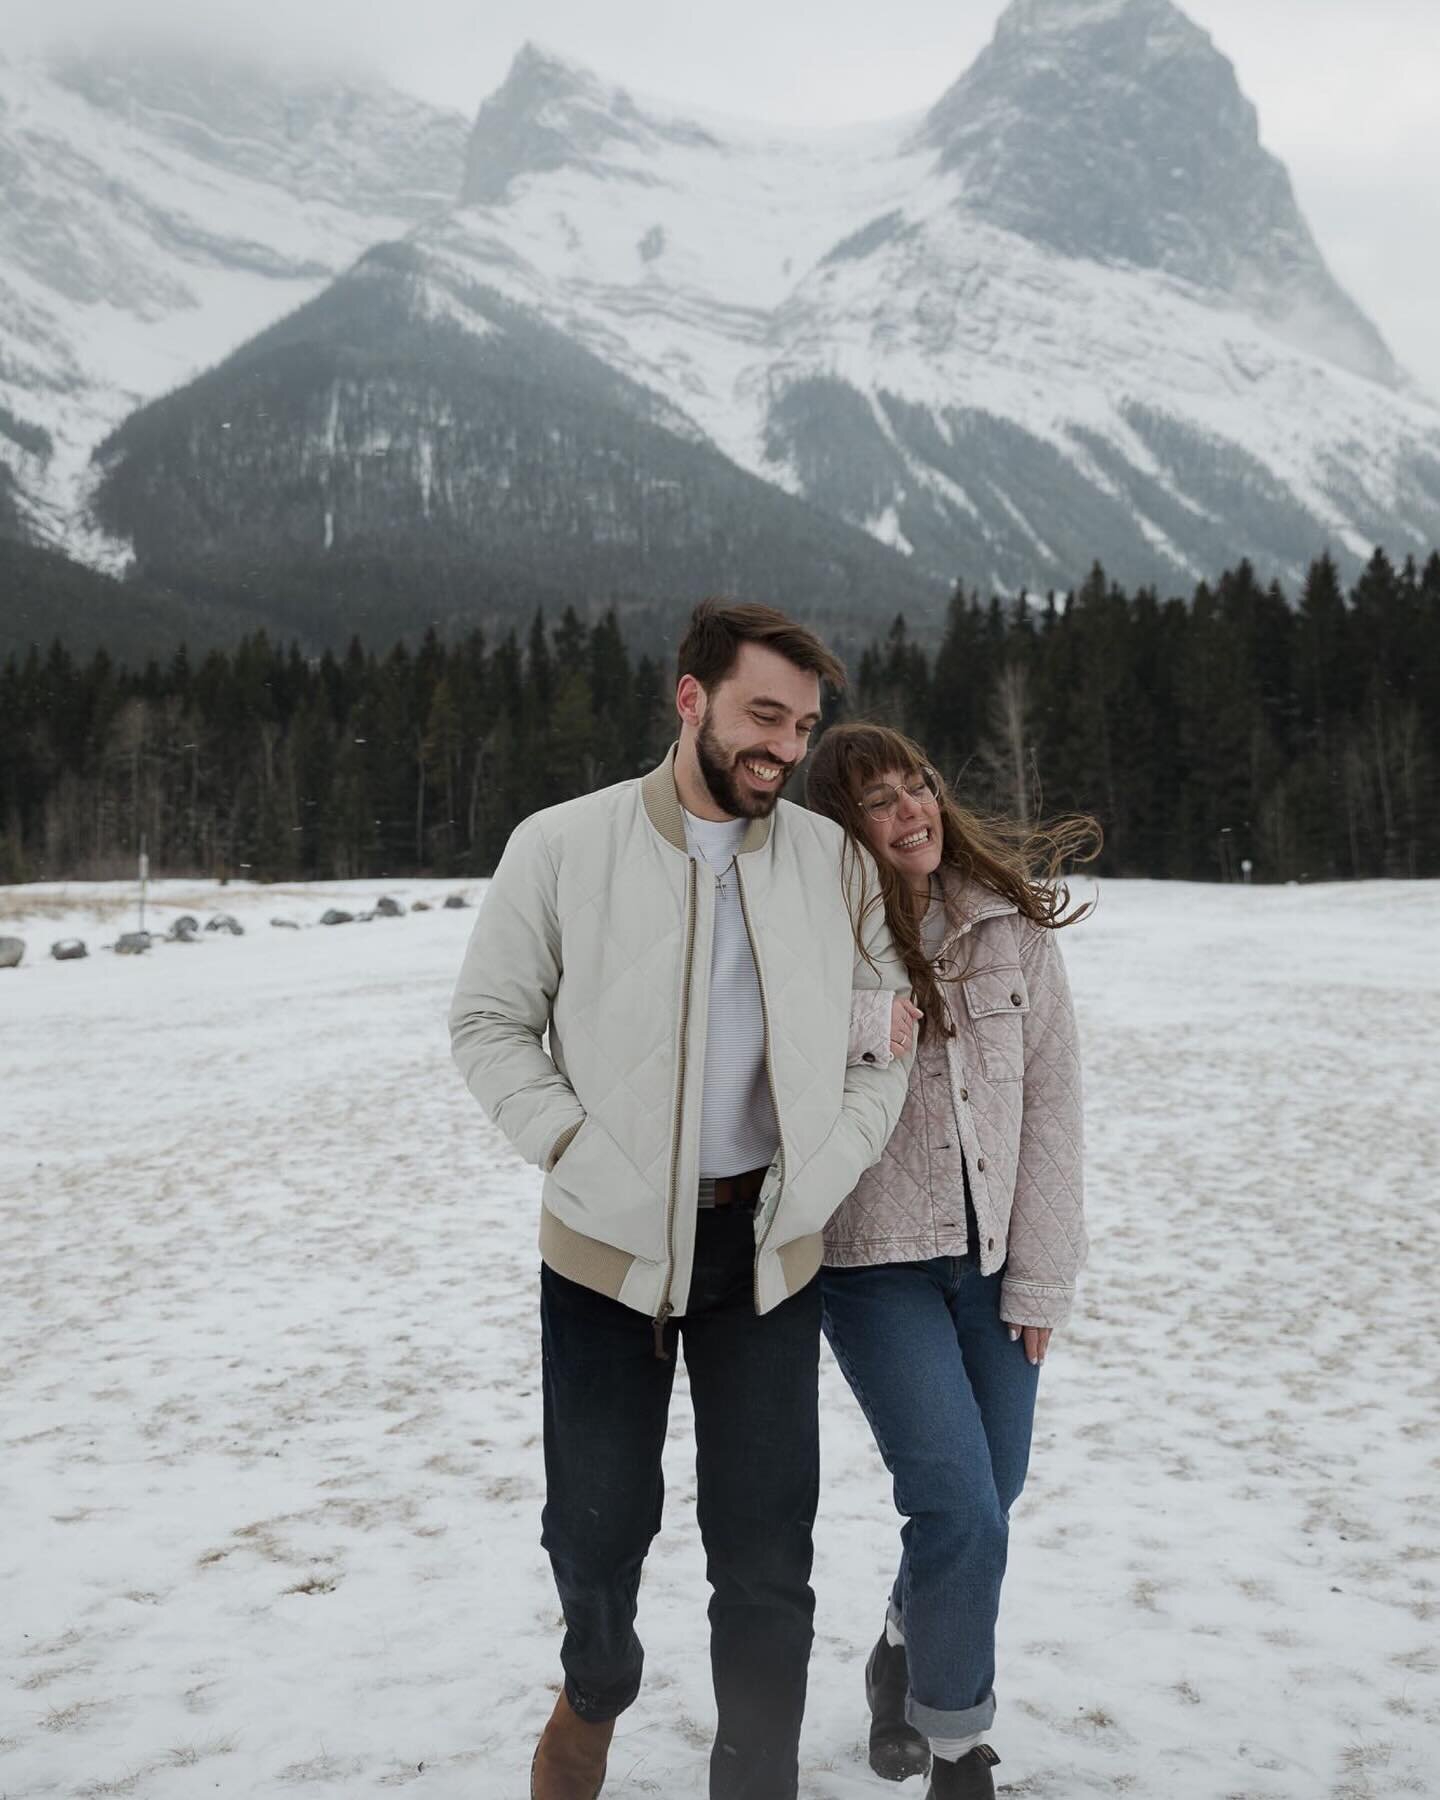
{"x": 717, "y": 770}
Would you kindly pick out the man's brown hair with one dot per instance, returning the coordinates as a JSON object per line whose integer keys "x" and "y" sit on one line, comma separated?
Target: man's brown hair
{"x": 717, "y": 629}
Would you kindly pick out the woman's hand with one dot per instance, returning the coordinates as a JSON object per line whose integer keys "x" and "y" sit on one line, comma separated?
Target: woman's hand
{"x": 1037, "y": 1341}
{"x": 905, "y": 1016}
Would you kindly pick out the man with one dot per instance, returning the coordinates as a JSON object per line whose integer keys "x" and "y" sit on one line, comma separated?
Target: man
{"x": 687, "y": 941}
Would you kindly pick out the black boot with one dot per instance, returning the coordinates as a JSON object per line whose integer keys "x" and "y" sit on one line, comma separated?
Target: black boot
{"x": 968, "y": 1779}
{"x": 897, "y": 1750}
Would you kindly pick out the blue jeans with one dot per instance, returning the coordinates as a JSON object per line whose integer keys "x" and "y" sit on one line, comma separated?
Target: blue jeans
{"x": 753, "y": 1385}
{"x": 950, "y": 1400}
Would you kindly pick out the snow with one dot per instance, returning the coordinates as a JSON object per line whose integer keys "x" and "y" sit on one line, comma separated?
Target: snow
{"x": 951, "y": 311}
{"x": 135, "y": 262}
{"x": 271, "y": 1463}
{"x": 197, "y": 241}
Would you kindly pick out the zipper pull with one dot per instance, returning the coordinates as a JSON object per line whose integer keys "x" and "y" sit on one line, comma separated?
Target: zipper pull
{"x": 658, "y": 1322}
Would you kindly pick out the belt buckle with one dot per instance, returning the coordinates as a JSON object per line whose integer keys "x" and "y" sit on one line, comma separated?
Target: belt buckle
{"x": 705, "y": 1192}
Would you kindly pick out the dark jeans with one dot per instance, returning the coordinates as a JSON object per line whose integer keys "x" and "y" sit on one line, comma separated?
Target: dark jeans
{"x": 753, "y": 1382}
{"x": 951, "y": 1402}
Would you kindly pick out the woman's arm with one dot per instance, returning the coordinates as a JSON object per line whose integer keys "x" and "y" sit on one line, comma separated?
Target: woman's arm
{"x": 883, "y": 1026}
{"x": 1047, "y": 1243}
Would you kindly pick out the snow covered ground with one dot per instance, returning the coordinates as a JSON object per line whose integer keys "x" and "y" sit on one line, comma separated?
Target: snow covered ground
{"x": 269, "y": 1386}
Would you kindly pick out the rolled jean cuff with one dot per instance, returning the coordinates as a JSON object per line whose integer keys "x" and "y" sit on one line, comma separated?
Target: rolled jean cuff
{"x": 930, "y": 1722}
{"x": 599, "y": 1712}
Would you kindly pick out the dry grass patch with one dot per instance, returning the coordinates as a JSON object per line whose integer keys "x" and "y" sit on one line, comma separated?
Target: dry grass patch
{"x": 317, "y": 1584}
{"x": 72, "y": 1717}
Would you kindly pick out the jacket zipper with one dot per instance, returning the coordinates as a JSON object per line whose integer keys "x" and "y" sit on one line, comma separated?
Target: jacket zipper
{"x": 665, "y": 1309}
{"x": 769, "y": 1067}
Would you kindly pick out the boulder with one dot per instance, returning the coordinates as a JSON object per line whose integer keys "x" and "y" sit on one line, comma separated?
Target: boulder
{"x": 225, "y": 922}
{"x": 421, "y": 906}
{"x": 68, "y": 949}
{"x": 132, "y": 943}
{"x": 11, "y": 951}
{"x": 386, "y": 908}
{"x": 284, "y": 924}
{"x": 455, "y": 901}
{"x": 184, "y": 930}
{"x": 335, "y": 916}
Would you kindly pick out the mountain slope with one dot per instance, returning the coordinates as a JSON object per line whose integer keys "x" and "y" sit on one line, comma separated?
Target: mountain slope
{"x": 159, "y": 209}
{"x": 1072, "y": 311}
{"x": 406, "y": 423}
{"x": 926, "y": 343}
{"x": 44, "y": 596}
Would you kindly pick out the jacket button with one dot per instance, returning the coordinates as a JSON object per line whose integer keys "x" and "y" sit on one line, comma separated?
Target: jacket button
{"x": 964, "y": 1093}
{"x": 989, "y": 1243}
{"x": 869, "y": 1056}
{"x": 1015, "y": 1000}
{"x": 981, "y": 1163}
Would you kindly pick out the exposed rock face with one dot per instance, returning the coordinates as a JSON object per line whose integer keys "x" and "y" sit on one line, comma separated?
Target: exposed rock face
{"x": 549, "y": 115}
{"x": 1115, "y": 130}
{"x": 1071, "y": 312}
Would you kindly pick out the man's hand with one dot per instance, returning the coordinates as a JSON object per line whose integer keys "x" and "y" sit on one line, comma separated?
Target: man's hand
{"x": 1036, "y": 1341}
{"x": 905, "y": 1017}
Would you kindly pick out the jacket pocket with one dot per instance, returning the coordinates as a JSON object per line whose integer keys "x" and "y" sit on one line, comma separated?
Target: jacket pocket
{"x": 563, "y": 1143}
{"x": 597, "y": 1190}
{"x": 997, "y": 1001}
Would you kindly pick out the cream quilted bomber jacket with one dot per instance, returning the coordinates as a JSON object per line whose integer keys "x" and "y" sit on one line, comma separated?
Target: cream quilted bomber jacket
{"x": 1004, "y": 1094}
{"x": 597, "y": 930}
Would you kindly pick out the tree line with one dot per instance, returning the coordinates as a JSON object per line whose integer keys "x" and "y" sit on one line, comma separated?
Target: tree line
{"x": 1233, "y": 732}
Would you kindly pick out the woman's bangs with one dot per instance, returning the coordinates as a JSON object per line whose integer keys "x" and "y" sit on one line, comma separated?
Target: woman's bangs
{"x": 871, "y": 759}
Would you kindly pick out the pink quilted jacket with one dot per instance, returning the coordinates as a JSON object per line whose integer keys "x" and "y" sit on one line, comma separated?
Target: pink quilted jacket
{"x": 1003, "y": 1094}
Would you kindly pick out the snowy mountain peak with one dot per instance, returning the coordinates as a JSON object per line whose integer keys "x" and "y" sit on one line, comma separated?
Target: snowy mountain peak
{"x": 1114, "y": 130}
{"x": 1072, "y": 312}
{"x": 1034, "y": 18}
{"x": 550, "y": 113}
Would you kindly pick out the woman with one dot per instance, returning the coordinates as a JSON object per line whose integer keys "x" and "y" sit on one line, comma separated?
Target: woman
{"x": 955, "y": 1258}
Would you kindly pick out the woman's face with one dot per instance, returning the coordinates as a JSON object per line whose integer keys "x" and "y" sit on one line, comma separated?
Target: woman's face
{"x": 902, "y": 825}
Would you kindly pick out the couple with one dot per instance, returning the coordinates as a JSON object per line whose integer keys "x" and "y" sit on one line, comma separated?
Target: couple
{"x": 732, "y": 1095}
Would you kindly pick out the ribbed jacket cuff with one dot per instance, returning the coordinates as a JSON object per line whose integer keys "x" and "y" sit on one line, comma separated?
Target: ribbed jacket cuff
{"x": 1036, "y": 1303}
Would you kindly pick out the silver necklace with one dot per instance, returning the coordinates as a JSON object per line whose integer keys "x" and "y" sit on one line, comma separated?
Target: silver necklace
{"x": 719, "y": 874}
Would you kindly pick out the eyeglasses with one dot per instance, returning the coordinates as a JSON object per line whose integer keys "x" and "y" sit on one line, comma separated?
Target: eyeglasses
{"x": 880, "y": 801}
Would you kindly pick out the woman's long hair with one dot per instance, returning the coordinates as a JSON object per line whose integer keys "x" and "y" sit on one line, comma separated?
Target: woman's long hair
{"x": 1021, "y": 863}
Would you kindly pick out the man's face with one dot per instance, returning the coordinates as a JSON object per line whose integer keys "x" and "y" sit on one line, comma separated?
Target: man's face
{"x": 754, "y": 731}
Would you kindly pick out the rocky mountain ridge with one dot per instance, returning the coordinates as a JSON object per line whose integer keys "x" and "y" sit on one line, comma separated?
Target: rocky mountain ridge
{"x": 1071, "y": 311}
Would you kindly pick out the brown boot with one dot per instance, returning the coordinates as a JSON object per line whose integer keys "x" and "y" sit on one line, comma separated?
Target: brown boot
{"x": 570, "y": 1757}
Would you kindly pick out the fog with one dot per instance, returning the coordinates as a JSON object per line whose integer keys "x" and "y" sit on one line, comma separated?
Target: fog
{"x": 1345, "y": 93}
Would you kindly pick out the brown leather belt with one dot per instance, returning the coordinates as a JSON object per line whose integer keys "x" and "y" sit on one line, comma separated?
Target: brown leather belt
{"x": 731, "y": 1190}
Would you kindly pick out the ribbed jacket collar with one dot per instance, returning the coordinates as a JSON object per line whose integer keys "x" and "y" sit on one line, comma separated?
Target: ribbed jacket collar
{"x": 662, "y": 806}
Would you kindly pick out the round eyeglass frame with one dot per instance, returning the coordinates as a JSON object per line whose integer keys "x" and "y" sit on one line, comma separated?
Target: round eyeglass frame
{"x": 892, "y": 790}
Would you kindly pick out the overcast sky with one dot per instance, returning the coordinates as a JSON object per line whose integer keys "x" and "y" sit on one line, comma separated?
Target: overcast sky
{"x": 1346, "y": 89}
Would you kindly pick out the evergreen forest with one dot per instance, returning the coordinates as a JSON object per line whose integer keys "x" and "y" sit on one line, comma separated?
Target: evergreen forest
{"x": 1240, "y": 733}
